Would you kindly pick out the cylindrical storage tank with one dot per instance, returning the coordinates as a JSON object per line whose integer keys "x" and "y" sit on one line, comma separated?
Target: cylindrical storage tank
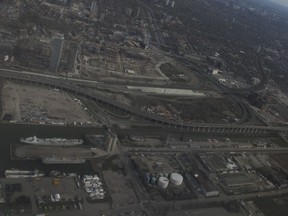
{"x": 176, "y": 179}
{"x": 57, "y": 197}
{"x": 163, "y": 182}
{"x": 153, "y": 180}
{"x": 146, "y": 178}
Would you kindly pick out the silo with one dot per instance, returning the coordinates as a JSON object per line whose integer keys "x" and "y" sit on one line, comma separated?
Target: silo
{"x": 163, "y": 182}
{"x": 176, "y": 179}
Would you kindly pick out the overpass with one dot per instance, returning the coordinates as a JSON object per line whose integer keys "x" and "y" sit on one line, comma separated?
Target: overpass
{"x": 69, "y": 87}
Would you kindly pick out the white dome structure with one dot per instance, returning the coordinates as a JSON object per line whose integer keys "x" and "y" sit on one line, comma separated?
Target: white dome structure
{"x": 163, "y": 182}
{"x": 176, "y": 179}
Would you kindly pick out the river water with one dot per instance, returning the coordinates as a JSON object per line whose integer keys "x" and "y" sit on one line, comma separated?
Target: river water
{"x": 11, "y": 133}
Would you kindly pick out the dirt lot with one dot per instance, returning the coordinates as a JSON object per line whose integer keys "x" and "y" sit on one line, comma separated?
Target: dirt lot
{"x": 36, "y": 104}
{"x": 118, "y": 182}
{"x": 120, "y": 188}
{"x": 204, "y": 110}
{"x": 273, "y": 206}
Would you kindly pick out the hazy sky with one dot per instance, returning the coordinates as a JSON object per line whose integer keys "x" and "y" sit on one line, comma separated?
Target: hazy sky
{"x": 281, "y": 2}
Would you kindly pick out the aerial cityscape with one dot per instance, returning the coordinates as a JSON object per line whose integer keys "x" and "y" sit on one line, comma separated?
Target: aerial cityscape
{"x": 144, "y": 107}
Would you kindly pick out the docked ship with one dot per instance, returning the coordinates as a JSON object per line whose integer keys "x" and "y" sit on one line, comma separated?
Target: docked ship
{"x": 62, "y": 160}
{"x": 14, "y": 173}
{"x": 51, "y": 141}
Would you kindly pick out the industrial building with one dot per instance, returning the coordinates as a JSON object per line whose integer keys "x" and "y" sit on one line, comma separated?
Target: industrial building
{"x": 236, "y": 179}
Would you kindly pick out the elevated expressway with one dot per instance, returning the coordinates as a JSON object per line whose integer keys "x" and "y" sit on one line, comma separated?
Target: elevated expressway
{"x": 68, "y": 86}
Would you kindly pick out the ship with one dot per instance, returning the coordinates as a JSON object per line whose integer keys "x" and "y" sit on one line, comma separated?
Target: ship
{"x": 61, "y": 160}
{"x": 14, "y": 173}
{"x": 51, "y": 141}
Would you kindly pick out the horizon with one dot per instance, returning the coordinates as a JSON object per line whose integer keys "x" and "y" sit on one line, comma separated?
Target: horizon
{"x": 280, "y": 2}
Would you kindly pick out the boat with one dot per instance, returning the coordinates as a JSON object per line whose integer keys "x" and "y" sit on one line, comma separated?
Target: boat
{"x": 55, "y": 160}
{"x": 14, "y": 173}
{"x": 51, "y": 141}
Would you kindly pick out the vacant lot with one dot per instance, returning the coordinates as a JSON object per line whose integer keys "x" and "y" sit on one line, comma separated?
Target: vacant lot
{"x": 273, "y": 206}
{"x": 120, "y": 188}
{"x": 37, "y": 104}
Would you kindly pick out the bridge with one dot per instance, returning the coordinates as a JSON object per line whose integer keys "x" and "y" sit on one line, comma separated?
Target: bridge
{"x": 68, "y": 86}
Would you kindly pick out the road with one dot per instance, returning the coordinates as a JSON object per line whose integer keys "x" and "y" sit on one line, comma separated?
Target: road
{"x": 159, "y": 150}
{"x": 221, "y": 199}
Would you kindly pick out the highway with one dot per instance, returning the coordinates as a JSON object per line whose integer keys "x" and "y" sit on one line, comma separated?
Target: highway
{"x": 167, "y": 150}
{"x": 69, "y": 87}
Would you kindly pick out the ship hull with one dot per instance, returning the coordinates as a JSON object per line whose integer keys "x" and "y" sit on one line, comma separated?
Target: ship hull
{"x": 23, "y": 174}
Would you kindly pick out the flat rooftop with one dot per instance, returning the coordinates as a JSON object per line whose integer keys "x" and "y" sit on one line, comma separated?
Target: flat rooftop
{"x": 169, "y": 91}
{"x": 236, "y": 179}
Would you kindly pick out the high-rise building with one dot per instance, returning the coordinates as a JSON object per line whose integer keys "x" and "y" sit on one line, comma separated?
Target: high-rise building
{"x": 57, "y": 46}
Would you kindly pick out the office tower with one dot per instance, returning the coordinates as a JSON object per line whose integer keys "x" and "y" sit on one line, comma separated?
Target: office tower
{"x": 57, "y": 46}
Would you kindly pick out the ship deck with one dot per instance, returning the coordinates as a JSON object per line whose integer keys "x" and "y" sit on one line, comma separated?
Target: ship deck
{"x": 33, "y": 152}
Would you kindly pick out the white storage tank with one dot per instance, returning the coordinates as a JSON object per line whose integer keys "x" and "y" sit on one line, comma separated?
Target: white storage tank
{"x": 57, "y": 197}
{"x": 176, "y": 179}
{"x": 163, "y": 182}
